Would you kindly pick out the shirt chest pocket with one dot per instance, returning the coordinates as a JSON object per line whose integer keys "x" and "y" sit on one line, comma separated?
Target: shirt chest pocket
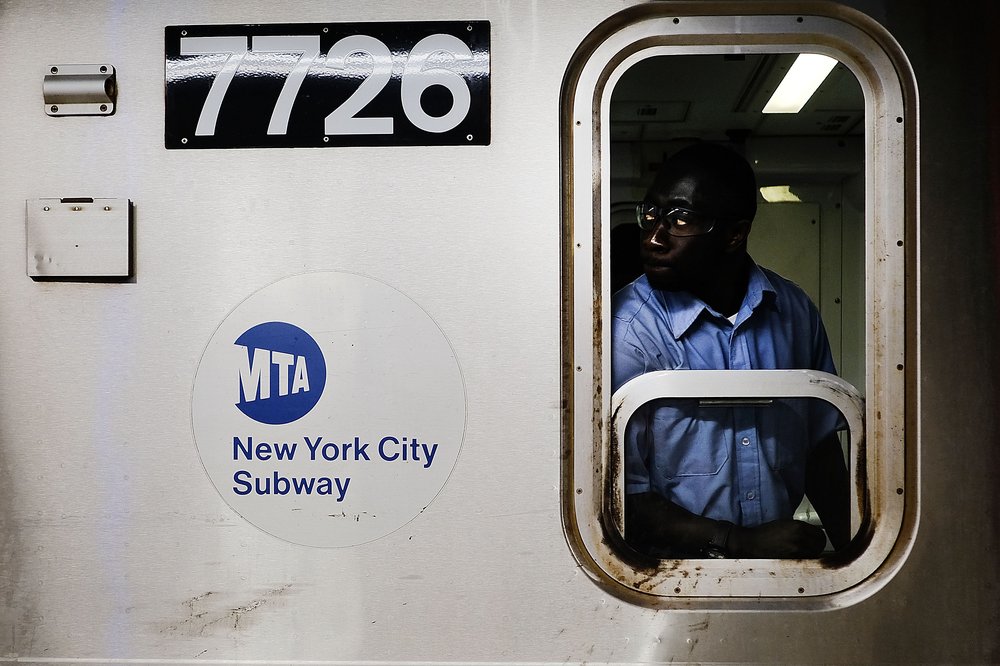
{"x": 686, "y": 443}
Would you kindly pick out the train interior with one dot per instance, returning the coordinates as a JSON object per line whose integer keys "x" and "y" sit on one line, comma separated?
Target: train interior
{"x": 809, "y": 164}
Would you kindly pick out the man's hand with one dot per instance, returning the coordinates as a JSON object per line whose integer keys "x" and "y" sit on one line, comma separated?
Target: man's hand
{"x": 653, "y": 520}
{"x": 780, "y": 538}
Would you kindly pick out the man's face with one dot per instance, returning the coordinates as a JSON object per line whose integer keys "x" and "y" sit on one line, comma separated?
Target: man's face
{"x": 684, "y": 262}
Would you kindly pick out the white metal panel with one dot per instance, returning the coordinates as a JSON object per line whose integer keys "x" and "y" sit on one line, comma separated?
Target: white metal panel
{"x": 116, "y": 543}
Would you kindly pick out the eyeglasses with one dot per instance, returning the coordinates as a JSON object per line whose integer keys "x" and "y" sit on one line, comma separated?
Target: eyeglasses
{"x": 679, "y": 221}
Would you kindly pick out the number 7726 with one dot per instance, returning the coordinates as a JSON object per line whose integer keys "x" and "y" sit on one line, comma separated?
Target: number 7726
{"x": 432, "y": 61}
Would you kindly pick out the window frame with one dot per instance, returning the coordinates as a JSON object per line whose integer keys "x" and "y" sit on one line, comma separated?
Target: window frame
{"x": 887, "y": 478}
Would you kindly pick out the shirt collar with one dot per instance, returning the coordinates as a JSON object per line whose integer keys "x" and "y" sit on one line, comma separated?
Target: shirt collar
{"x": 759, "y": 288}
{"x": 683, "y": 308}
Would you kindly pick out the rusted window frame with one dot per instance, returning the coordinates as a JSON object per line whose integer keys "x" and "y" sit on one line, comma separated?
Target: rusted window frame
{"x": 889, "y": 474}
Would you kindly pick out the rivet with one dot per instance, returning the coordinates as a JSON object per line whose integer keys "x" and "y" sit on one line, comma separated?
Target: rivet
{"x": 54, "y": 70}
{"x": 54, "y": 108}
{"x": 104, "y": 108}
{"x": 184, "y": 32}
{"x": 468, "y": 137}
{"x": 45, "y": 208}
{"x": 103, "y": 69}
{"x": 107, "y": 208}
{"x": 184, "y": 140}
{"x": 77, "y": 208}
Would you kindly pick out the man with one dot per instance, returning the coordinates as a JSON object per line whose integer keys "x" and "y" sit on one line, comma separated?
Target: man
{"x": 721, "y": 481}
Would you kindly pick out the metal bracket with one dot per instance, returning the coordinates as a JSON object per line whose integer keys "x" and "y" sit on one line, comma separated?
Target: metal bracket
{"x": 80, "y": 90}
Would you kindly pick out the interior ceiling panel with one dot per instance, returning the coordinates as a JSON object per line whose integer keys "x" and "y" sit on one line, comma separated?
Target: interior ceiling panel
{"x": 715, "y": 96}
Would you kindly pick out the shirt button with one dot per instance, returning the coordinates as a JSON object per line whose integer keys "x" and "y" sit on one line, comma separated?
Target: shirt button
{"x": 746, "y": 441}
{"x": 751, "y": 495}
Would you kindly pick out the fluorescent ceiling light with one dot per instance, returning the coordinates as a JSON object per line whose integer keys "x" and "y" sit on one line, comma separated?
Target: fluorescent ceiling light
{"x": 778, "y": 194}
{"x": 803, "y": 78}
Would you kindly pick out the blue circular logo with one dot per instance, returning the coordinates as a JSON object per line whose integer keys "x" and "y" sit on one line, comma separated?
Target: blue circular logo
{"x": 282, "y": 373}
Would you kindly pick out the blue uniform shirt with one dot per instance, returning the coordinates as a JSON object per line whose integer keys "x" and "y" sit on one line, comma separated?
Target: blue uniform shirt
{"x": 742, "y": 464}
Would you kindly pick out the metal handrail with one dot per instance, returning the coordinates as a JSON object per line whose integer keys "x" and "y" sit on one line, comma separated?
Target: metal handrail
{"x": 734, "y": 387}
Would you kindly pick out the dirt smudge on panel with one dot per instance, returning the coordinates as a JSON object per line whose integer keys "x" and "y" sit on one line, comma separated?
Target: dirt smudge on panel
{"x": 700, "y": 626}
{"x": 19, "y": 618}
{"x": 209, "y": 612}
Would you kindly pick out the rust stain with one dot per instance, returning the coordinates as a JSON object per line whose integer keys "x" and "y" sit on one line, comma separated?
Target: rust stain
{"x": 612, "y": 471}
{"x": 869, "y": 520}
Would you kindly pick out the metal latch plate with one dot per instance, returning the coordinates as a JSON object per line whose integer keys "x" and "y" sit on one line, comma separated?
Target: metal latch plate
{"x": 78, "y": 237}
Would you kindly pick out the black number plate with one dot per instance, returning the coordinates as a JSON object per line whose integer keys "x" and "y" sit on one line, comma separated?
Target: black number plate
{"x": 328, "y": 84}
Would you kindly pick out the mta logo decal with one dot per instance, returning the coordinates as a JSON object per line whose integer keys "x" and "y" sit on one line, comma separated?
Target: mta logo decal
{"x": 282, "y": 375}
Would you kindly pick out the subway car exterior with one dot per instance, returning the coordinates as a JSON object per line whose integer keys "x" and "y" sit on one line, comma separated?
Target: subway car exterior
{"x": 304, "y": 327}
